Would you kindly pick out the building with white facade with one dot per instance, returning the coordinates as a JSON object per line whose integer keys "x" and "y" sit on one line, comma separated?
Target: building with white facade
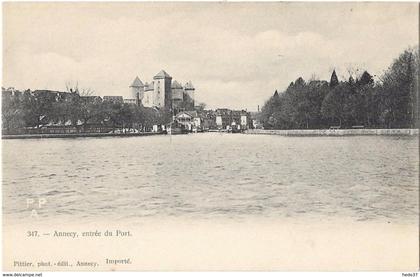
{"x": 163, "y": 93}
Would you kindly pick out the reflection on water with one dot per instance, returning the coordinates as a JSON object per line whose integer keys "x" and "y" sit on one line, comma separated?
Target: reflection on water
{"x": 213, "y": 175}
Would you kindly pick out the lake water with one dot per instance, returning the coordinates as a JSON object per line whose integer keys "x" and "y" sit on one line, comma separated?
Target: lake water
{"x": 212, "y": 175}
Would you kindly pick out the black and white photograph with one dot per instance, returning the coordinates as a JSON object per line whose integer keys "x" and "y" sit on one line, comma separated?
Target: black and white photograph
{"x": 210, "y": 136}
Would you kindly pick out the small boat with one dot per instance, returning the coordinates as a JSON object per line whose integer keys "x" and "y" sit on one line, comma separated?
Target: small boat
{"x": 176, "y": 131}
{"x": 174, "y": 128}
{"x": 236, "y": 130}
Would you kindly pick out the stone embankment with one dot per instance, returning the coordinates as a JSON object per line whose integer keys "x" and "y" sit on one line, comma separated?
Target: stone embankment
{"x": 337, "y": 132}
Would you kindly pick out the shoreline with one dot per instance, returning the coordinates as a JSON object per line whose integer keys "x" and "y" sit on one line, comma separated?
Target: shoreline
{"x": 336, "y": 132}
{"x": 76, "y": 135}
{"x": 297, "y": 133}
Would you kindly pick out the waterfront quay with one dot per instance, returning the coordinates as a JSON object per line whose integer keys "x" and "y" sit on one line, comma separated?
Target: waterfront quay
{"x": 79, "y": 135}
{"x": 336, "y": 132}
{"x": 302, "y": 133}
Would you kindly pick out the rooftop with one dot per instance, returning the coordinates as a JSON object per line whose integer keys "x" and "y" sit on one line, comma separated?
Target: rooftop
{"x": 162, "y": 74}
{"x": 148, "y": 86}
{"x": 137, "y": 83}
{"x": 189, "y": 85}
{"x": 190, "y": 113}
{"x": 175, "y": 84}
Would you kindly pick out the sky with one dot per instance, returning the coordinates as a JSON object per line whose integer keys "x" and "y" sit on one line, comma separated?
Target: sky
{"x": 235, "y": 54}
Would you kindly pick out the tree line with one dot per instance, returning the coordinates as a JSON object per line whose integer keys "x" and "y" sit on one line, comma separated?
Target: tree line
{"x": 389, "y": 102}
{"x": 75, "y": 108}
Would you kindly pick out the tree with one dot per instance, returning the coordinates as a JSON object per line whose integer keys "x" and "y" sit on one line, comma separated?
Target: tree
{"x": 12, "y": 113}
{"x": 81, "y": 105}
{"x": 390, "y": 103}
{"x": 333, "y": 105}
{"x": 400, "y": 90}
{"x": 112, "y": 114}
{"x": 365, "y": 79}
{"x": 269, "y": 111}
{"x": 333, "y": 79}
{"x": 38, "y": 107}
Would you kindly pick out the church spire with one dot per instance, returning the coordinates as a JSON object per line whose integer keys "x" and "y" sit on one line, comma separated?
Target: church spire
{"x": 334, "y": 79}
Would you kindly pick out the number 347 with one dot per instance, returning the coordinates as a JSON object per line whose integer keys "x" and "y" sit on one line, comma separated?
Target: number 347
{"x": 32, "y": 234}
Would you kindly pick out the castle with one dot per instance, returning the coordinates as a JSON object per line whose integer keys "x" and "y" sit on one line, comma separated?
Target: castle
{"x": 163, "y": 93}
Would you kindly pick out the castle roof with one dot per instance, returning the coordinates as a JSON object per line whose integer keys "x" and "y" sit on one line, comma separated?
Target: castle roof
{"x": 189, "y": 85}
{"x": 137, "y": 83}
{"x": 148, "y": 86}
{"x": 175, "y": 84}
{"x": 162, "y": 74}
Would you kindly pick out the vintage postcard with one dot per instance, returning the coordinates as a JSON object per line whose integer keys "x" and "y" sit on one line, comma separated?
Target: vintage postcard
{"x": 210, "y": 136}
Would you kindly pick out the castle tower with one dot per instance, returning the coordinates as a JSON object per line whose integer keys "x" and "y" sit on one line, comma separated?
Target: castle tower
{"x": 190, "y": 91}
{"x": 148, "y": 97}
{"x": 162, "y": 90}
{"x": 177, "y": 95}
{"x": 137, "y": 90}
